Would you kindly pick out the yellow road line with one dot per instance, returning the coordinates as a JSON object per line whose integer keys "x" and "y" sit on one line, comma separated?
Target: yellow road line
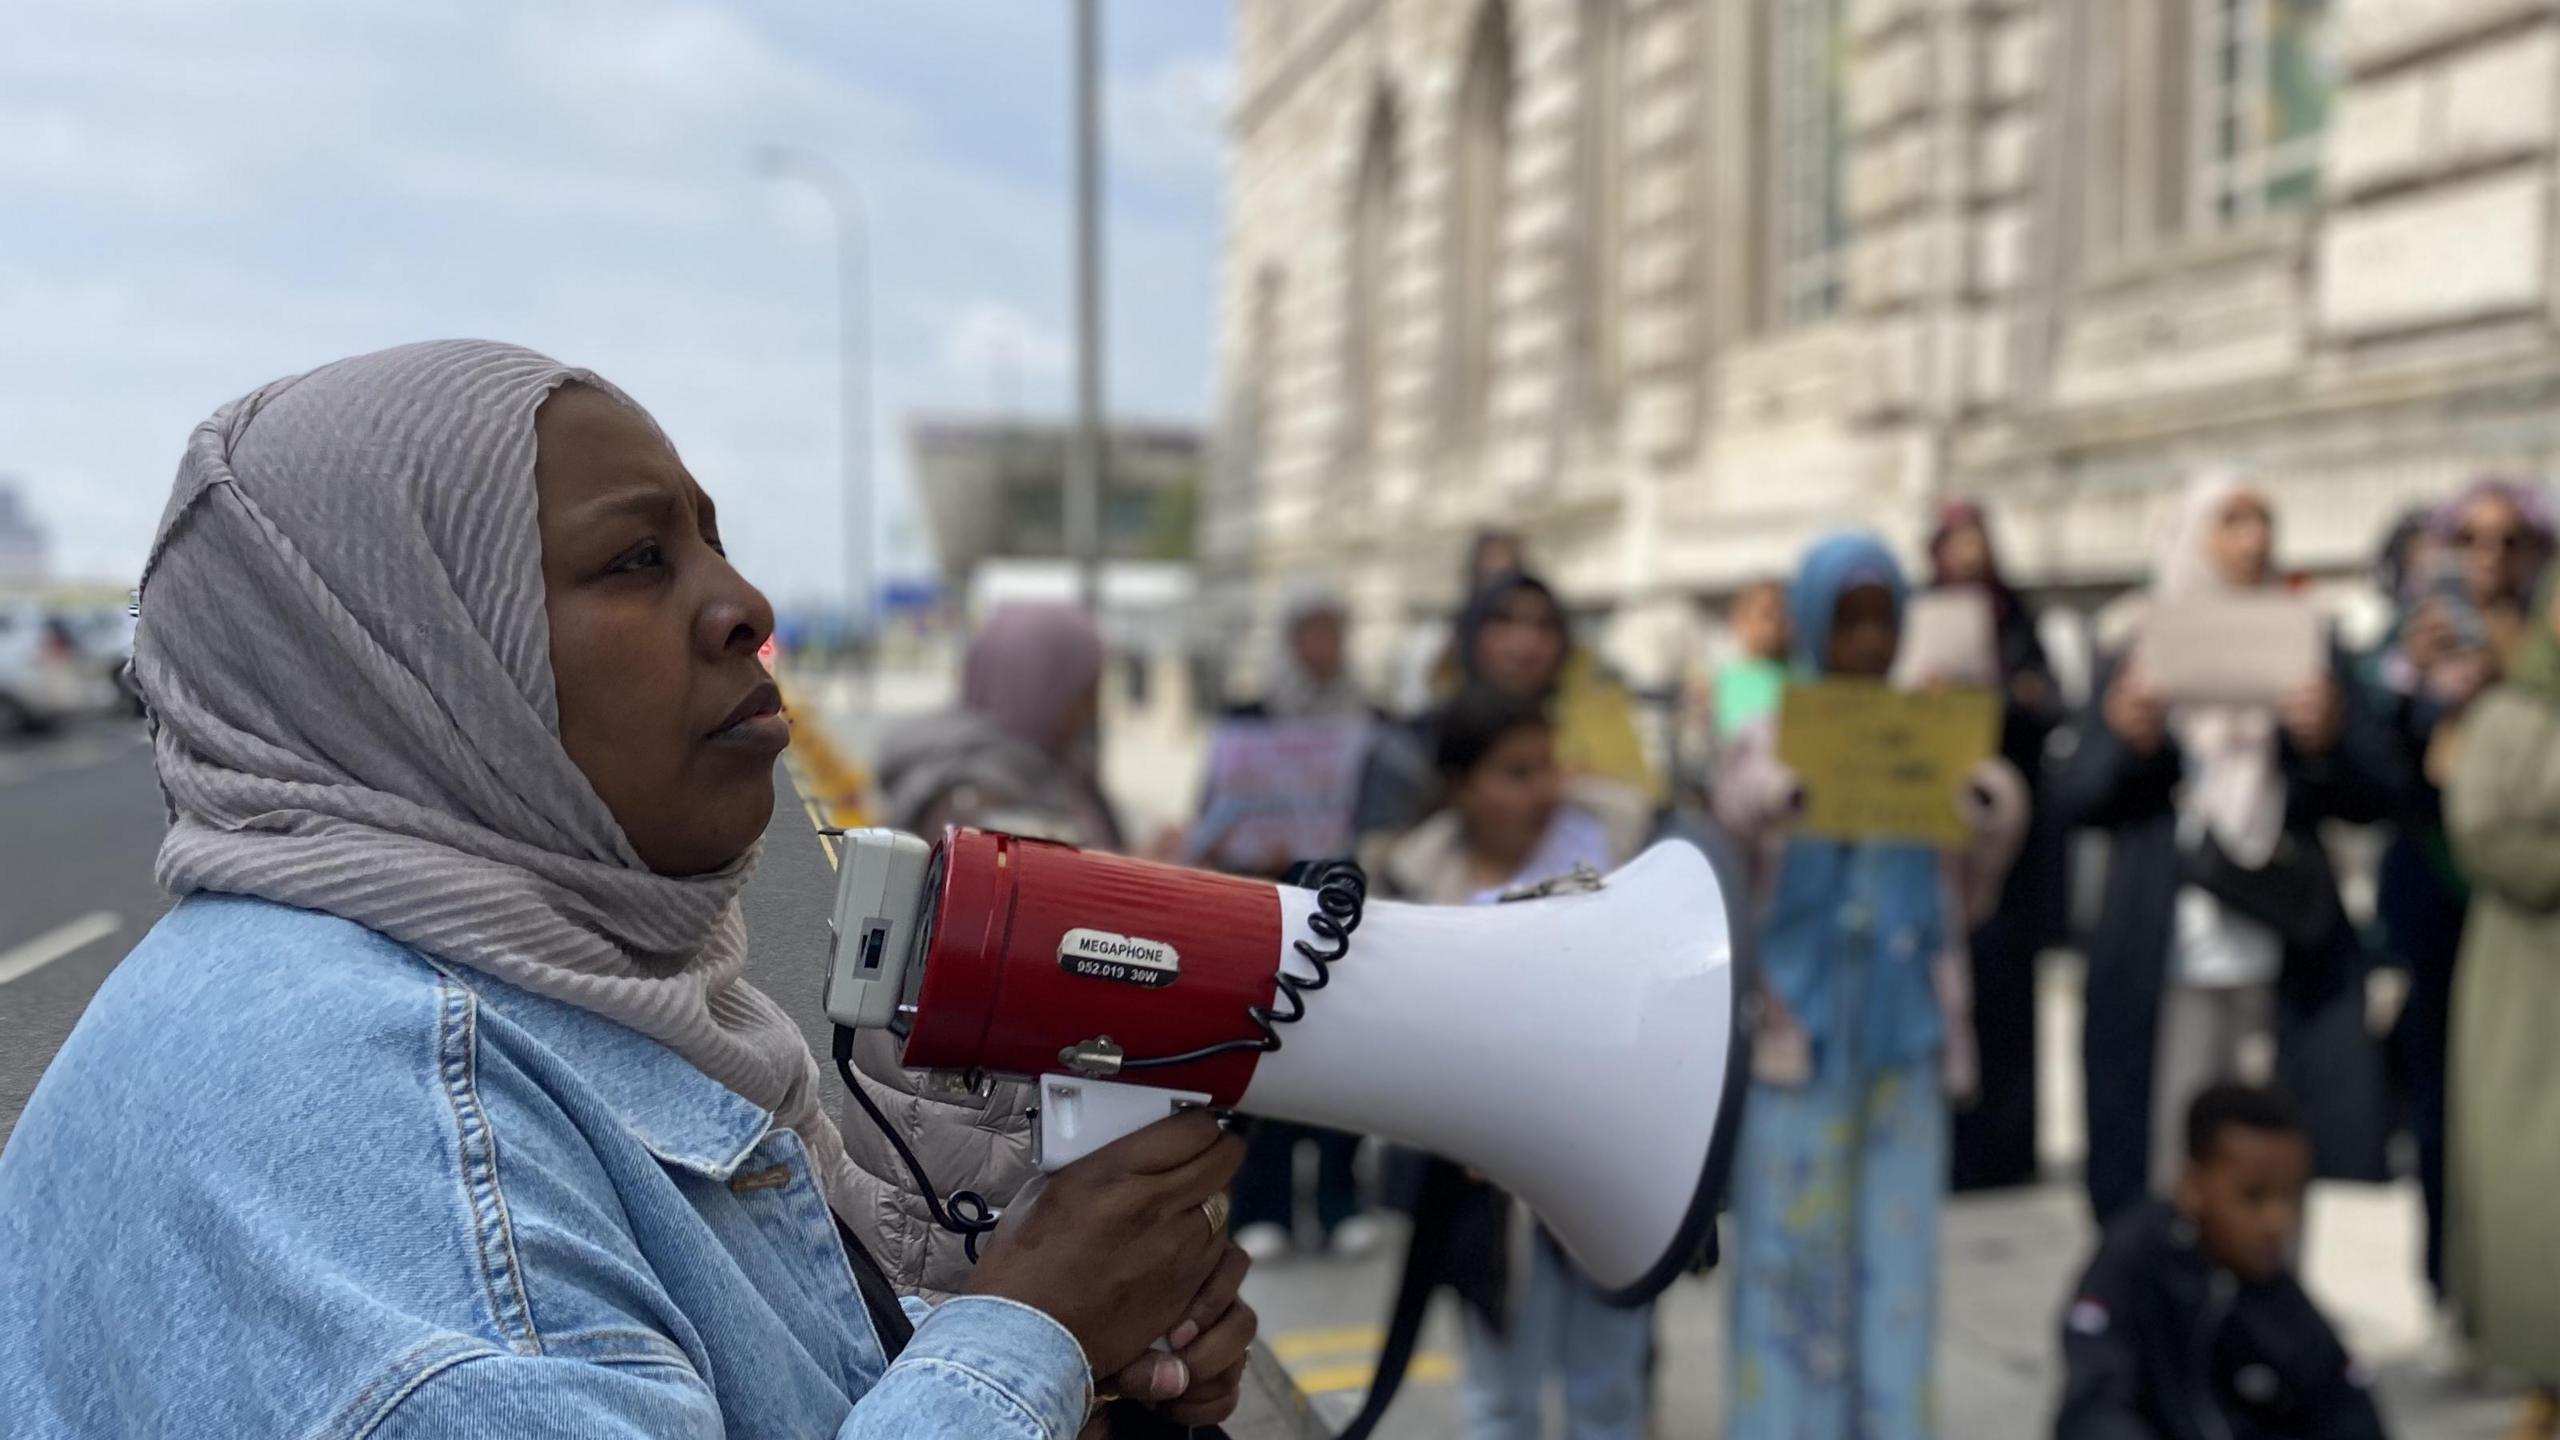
{"x": 1313, "y": 1344}
{"x": 1346, "y": 1358}
{"x": 1429, "y": 1367}
{"x": 836, "y": 787}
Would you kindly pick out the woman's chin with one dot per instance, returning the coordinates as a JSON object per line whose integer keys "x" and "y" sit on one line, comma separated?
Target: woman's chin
{"x": 724, "y": 825}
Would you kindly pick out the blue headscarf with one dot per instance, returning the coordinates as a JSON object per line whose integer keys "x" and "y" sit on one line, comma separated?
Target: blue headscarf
{"x": 1839, "y": 905}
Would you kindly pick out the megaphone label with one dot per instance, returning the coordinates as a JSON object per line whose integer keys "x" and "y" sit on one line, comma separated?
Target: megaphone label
{"x": 1123, "y": 959}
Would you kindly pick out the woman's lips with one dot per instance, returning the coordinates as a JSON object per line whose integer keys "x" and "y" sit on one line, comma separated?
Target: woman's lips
{"x": 755, "y": 724}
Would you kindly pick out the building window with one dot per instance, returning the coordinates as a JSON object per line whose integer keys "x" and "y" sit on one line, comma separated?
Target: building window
{"x": 1478, "y": 179}
{"x": 2134, "y": 79}
{"x": 1808, "y": 206}
{"x": 1600, "y": 221}
{"x": 1367, "y": 298}
{"x": 2268, "y": 73}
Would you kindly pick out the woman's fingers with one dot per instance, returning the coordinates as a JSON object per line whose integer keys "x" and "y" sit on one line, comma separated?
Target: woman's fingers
{"x": 1222, "y": 1346}
{"x": 1167, "y": 1146}
{"x": 1208, "y": 1402}
{"x": 1154, "y": 1378}
{"x": 1216, "y": 1298}
{"x": 1207, "y": 1172}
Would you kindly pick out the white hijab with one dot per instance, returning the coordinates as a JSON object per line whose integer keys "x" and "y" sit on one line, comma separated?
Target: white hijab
{"x": 347, "y": 660}
{"x": 2235, "y": 785}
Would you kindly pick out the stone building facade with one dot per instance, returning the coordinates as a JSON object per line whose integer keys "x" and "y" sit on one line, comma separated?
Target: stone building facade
{"x": 1673, "y": 285}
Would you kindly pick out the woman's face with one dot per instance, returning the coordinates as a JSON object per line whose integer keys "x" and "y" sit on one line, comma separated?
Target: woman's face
{"x": 1965, "y": 555}
{"x": 2498, "y": 552}
{"x": 1511, "y": 796}
{"x": 663, "y": 703}
{"x": 1316, "y": 642}
{"x": 1520, "y": 646}
{"x": 2242, "y": 543}
{"x": 1866, "y": 627}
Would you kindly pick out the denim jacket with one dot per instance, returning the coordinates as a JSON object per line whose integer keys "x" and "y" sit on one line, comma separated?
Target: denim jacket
{"x": 290, "y": 1178}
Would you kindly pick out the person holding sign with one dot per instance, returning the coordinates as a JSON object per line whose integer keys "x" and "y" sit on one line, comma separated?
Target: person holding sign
{"x": 1863, "y": 1021}
{"x": 1283, "y": 775}
{"x": 2222, "y": 914}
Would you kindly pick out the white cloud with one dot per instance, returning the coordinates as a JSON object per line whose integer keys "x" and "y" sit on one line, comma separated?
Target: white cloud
{"x": 1168, "y": 124}
{"x": 990, "y": 345}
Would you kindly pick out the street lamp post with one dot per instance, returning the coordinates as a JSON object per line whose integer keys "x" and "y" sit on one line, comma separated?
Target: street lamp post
{"x": 1084, "y": 457}
{"x": 853, "y": 336}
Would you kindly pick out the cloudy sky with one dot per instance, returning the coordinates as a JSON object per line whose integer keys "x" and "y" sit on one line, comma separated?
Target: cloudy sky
{"x": 195, "y": 198}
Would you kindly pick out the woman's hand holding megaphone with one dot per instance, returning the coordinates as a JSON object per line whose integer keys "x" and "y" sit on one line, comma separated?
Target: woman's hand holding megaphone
{"x": 1119, "y": 1249}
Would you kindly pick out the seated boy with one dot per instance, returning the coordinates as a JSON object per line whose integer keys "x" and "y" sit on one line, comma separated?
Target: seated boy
{"x": 2190, "y": 1324}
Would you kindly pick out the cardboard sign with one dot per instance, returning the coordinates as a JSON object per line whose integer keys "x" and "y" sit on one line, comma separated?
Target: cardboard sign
{"x": 1280, "y": 790}
{"x": 1885, "y": 764}
{"x": 2230, "y": 649}
{"x": 1948, "y": 638}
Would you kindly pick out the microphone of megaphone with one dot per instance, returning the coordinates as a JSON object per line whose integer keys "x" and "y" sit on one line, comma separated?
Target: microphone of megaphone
{"x": 1579, "y": 1044}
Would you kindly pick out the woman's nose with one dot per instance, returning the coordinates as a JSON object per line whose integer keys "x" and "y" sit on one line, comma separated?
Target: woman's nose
{"x": 735, "y": 619}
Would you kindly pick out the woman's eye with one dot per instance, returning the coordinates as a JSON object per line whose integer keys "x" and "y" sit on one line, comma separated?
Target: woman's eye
{"x": 644, "y": 556}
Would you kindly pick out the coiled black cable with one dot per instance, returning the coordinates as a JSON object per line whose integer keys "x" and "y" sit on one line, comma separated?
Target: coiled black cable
{"x": 1342, "y": 891}
{"x": 968, "y": 1215}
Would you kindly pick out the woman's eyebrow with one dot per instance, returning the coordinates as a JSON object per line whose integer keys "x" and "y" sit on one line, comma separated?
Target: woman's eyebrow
{"x": 654, "y": 502}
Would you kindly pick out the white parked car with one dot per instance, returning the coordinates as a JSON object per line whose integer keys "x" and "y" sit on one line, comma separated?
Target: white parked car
{"x": 47, "y": 675}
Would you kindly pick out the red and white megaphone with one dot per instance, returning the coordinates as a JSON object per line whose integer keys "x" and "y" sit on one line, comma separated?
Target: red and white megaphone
{"x": 1578, "y": 1045}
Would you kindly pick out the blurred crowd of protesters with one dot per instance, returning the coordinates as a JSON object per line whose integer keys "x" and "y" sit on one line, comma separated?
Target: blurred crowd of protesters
{"x": 2230, "y": 1051}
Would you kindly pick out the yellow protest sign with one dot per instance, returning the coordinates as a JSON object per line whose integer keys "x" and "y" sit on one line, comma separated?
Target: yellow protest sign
{"x": 1884, "y": 764}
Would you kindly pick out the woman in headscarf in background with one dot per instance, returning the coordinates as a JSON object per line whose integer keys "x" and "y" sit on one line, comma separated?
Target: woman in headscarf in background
{"x": 2466, "y": 582}
{"x": 2179, "y": 977}
{"x": 1995, "y": 1139}
{"x": 1513, "y": 637}
{"x": 1019, "y": 751}
{"x": 1016, "y": 754}
{"x": 1863, "y": 1034}
{"x": 2503, "y": 1227}
{"x": 440, "y": 1105}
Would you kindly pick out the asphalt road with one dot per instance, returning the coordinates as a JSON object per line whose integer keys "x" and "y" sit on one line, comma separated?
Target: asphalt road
{"x": 80, "y": 821}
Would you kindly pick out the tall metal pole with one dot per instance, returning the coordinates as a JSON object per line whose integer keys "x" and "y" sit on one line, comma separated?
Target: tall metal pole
{"x": 1084, "y": 457}
{"x": 853, "y": 362}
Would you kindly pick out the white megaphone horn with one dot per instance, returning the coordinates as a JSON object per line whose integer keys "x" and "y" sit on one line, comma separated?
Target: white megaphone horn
{"x": 1580, "y": 1044}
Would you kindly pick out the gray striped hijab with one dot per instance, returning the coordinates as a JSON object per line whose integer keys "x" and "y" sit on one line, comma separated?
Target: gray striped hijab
{"x": 346, "y": 655}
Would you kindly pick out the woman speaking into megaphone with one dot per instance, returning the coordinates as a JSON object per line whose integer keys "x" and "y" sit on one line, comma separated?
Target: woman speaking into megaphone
{"x": 439, "y": 1105}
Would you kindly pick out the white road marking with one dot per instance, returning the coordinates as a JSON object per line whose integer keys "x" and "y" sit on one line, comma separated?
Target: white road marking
{"x": 57, "y": 942}
{"x": 43, "y": 758}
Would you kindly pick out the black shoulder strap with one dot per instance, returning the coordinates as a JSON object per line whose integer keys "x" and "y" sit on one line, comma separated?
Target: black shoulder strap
{"x": 1428, "y": 1265}
{"x": 888, "y": 1318}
